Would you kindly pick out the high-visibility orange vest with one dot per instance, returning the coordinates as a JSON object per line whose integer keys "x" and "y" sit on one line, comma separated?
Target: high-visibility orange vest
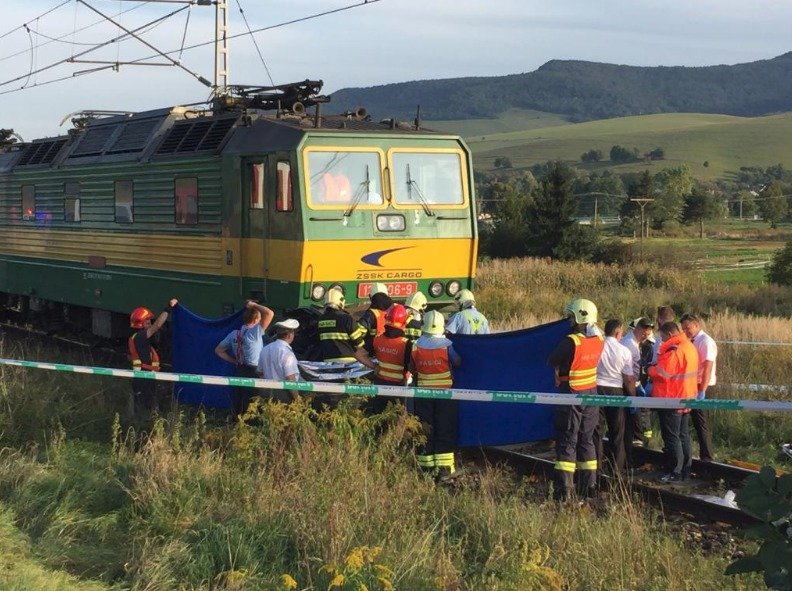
{"x": 433, "y": 367}
{"x": 135, "y": 357}
{"x": 336, "y": 187}
{"x": 583, "y": 370}
{"x": 676, "y": 372}
{"x": 390, "y": 352}
{"x": 379, "y": 324}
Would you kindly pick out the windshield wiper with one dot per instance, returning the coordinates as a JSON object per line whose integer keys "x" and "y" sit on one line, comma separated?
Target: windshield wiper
{"x": 421, "y": 199}
{"x": 358, "y": 194}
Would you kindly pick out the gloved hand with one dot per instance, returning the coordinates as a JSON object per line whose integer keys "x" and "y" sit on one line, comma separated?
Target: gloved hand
{"x": 639, "y": 390}
{"x": 701, "y": 395}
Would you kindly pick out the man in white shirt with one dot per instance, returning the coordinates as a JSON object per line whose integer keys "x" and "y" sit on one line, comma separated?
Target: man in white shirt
{"x": 615, "y": 378}
{"x": 708, "y": 355}
{"x": 637, "y": 340}
{"x": 278, "y": 362}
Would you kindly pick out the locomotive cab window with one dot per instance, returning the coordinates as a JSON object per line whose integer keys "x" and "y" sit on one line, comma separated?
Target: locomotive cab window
{"x": 344, "y": 178}
{"x": 285, "y": 201}
{"x": 428, "y": 178}
{"x": 185, "y": 194}
{"x": 71, "y": 202}
{"x": 124, "y": 202}
{"x": 28, "y": 202}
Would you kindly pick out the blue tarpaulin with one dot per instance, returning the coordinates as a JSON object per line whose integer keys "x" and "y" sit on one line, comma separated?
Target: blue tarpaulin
{"x": 513, "y": 361}
{"x": 194, "y": 342}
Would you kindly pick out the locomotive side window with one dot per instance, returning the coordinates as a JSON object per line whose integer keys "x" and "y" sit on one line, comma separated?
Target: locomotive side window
{"x": 124, "y": 202}
{"x": 342, "y": 179}
{"x": 257, "y": 186}
{"x": 28, "y": 202}
{"x": 285, "y": 201}
{"x": 71, "y": 202}
{"x": 429, "y": 178}
{"x": 185, "y": 193}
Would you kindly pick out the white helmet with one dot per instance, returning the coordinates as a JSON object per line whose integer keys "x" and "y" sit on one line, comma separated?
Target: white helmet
{"x": 583, "y": 311}
{"x": 335, "y": 298}
{"x": 433, "y": 323}
{"x": 416, "y": 301}
{"x": 465, "y": 299}
{"x": 378, "y": 288}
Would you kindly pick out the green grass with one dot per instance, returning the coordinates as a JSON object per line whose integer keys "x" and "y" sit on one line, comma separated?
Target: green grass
{"x": 725, "y": 142}
{"x": 752, "y": 277}
{"x": 510, "y": 120}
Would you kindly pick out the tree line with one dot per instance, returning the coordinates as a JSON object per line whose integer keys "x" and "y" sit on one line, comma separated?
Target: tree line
{"x": 537, "y": 212}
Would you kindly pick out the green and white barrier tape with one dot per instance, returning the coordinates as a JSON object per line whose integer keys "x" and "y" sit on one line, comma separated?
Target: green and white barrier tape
{"x": 371, "y": 390}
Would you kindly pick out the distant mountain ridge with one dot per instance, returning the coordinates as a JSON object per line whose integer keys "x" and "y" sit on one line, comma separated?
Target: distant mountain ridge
{"x": 585, "y": 91}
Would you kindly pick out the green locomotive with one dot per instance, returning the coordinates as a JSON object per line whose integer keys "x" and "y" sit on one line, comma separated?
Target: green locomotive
{"x": 219, "y": 205}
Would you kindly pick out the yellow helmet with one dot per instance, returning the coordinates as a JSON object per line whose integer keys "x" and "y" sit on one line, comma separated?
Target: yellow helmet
{"x": 433, "y": 323}
{"x": 416, "y": 301}
{"x": 378, "y": 288}
{"x": 465, "y": 299}
{"x": 583, "y": 311}
{"x": 335, "y": 298}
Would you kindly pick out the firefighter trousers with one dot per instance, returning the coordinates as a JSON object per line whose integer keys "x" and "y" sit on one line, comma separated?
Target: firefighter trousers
{"x": 575, "y": 449}
{"x": 440, "y": 419}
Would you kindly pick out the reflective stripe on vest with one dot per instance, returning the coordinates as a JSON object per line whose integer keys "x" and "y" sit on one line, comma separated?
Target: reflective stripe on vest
{"x": 433, "y": 367}
{"x": 583, "y": 371}
{"x": 475, "y": 322}
{"x": 390, "y": 352}
{"x": 135, "y": 358}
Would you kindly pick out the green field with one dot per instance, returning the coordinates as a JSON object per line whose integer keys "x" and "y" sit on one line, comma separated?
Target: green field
{"x": 725, "y": 142}
{"x": 508, "y": 121}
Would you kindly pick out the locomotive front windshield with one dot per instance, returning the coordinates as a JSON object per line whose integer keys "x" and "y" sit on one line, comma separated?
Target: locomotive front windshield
{"x": 345, "y": 178}
{"x": 427, "y": 177}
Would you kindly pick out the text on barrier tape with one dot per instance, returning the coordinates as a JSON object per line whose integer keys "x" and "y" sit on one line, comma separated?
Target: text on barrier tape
{"x": 371, "y": 390}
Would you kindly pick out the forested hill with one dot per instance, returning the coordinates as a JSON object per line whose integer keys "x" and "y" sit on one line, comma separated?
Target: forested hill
{"x": 587, "y": 90}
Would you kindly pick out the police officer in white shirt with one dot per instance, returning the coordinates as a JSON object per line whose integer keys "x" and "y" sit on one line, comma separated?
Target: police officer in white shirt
{"x": 636, "y": 340}
{"x": 708, "y": 355}
{"x": 278, "y": 362}
{"x": 615, "y": 378}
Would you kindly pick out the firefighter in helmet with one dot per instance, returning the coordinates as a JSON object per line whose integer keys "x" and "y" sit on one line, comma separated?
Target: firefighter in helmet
{"x": 433, "y": 357}
{"x": 143, "y": 355}
{"x": 392, "y": 349}
{"x": 575, "y": 362}
{"x": 468, "y": 320}
{"x": 373, "y": 319}
{"x": 416, "y": 305}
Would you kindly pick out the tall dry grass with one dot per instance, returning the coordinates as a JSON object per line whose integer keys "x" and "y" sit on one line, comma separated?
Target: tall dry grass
{"x": 318, "y": 502}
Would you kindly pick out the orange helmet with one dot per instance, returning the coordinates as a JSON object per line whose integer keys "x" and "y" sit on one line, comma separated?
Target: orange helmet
{"x": 139, "y": 316}
{"x": 396, "y": 316}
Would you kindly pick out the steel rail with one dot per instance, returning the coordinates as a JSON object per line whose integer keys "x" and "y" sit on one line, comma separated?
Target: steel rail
{"x": 664, "y": 498}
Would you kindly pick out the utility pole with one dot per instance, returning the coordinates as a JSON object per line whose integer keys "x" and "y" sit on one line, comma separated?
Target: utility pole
{"x": 643, "y": 203}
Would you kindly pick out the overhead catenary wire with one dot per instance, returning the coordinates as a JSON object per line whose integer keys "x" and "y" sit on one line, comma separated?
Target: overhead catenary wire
{"x": 255, "y": 43}
{"x": 188, "y": 48}
{"x": 94, "y": 48}
{"x": 42, "y": 15}
{"x": 72, "y": 33}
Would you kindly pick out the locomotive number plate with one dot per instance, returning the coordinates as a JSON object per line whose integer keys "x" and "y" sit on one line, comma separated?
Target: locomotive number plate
{"x": 400, "y": 289}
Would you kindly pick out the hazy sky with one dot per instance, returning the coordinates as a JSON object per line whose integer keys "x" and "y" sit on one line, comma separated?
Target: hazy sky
{"x": 384, "y": 41}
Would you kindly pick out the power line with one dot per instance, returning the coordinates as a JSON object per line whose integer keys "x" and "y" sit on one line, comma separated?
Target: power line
{"x": 182, "y": 49}
{"x": 255, "y": 43}
{"x": 98, "y": 46}
{"x": 42, "y": 15}
{"x": 81, "y": 29}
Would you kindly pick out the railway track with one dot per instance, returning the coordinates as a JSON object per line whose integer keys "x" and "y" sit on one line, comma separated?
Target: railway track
{"x": 668, "y": 498}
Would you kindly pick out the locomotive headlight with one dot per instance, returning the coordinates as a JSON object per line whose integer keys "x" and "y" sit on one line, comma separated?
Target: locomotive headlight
{"x": 390, "y": 223}
{"x": 453, "y": 288}
{"x": 318, "y": 292}
{"x": 435, "y": 289}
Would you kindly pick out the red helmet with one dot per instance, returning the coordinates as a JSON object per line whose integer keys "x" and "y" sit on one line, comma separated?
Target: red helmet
{"x": 139, "y": 316}
{"x": 396, "y": 316}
